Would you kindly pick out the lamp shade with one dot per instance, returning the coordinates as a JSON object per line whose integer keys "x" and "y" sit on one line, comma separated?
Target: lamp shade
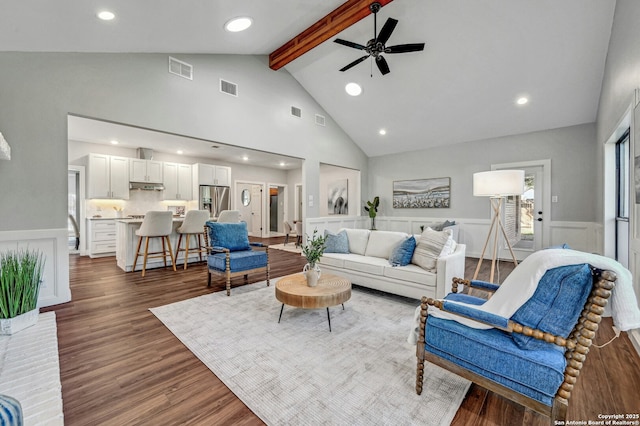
{"x": 498, "y": 183}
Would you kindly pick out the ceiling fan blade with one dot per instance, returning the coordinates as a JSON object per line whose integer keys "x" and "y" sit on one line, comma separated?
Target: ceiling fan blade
{"x": 382, "y": 65}
{"x": 349, "y": 44}
{"x": 404, "y": 48}
{"x": 354, "y": 63}
{"x": 386, "y": 30}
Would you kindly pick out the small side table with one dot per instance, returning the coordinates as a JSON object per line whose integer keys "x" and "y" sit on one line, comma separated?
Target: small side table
{"x": 331, "y": 290}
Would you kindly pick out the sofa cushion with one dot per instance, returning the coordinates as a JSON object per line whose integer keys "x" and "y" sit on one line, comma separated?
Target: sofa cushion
{"x": 381, "y": 243}
{"x": 358, "y": 239}
{"x": 556, "y": 304}
{"x": 336, "y": 243}
{"x": 335, "y": 259}
{"x": 232, "y": 236}
{"x": 412, "y": 273}
{"x": 432, "y": 244}
{"x": 367, "y": 264}
{"x": 238, "y": 260}
{"x": 403, "y": 252}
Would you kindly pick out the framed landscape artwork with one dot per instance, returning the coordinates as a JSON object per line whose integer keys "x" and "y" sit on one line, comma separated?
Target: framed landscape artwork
{"x": 431, "y": 193}
{"x": 338, "y": 198}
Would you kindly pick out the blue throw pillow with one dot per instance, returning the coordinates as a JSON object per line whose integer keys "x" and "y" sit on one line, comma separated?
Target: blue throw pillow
{"x": 233, "y": 236}
{"x": 402, "y": 253}
{"x": 555, "y": 305}
{"x": 336, "y": 243}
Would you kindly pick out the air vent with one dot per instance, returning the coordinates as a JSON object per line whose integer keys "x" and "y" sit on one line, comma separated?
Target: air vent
{"x": 228, "y": 87}
{"x": 320, "y": 121}
{"x": 180, "y": 68}
{"x": 296, "y": 112}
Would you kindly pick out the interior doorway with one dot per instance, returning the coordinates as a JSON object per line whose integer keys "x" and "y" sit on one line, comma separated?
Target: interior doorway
{"x": 297, "y": 214}
{"x": 75, "y": 209}
{"x": 277, "y": 209}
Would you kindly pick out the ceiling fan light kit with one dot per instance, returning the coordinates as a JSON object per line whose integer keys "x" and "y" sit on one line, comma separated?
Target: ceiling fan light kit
{"x": 377, "y": 45}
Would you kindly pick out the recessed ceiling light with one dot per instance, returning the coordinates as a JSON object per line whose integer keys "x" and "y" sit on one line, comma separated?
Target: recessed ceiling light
{"x": 245, "y": 158}
{"x": 238, "y": 24}
{"x": 180, "y": 151}
{"x": 382, "y": 132}
{"x": 282, "y": 164}
{"x": 105, "y": 15}
{"x": 523, "y": 100}
{"x": 353, "y": 89}
{"x": 114, "y": 142}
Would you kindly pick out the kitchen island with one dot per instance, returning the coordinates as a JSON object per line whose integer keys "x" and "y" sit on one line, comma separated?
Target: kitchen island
{"x": 127, "y": 241}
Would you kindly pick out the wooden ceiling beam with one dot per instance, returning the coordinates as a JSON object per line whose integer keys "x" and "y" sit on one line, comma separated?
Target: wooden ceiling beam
{"x": 341, "y": 18}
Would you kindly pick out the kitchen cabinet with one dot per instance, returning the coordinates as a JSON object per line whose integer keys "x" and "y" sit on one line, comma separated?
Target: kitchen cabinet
{"x": 102, "y": 237}
{"x": 145, "y": 170}
{"x": 177, "y": 181}
{"x": 108, "y": 177}
{"x": 209, "y": 174}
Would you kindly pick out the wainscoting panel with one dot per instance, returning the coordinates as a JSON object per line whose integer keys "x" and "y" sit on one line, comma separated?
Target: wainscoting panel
{"x": 581, "y": 236}
{"x": 53, "y": 245}
{"x": 584, "y": 236}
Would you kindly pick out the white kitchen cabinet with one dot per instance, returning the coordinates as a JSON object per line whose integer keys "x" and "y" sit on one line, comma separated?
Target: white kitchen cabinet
{"x": 177, "y": 181}
{"x": 145, "y": 170}
{"x": 209, "y": 174}
{"x": 108, "y": 177}
{"x": 102, "y": 237}
{"x": 223, "y": 175}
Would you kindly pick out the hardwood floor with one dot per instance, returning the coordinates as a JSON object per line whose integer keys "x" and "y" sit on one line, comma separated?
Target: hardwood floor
{"x": 119, "y": 365}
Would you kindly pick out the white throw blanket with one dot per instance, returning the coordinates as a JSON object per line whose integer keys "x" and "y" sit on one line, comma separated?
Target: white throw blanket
{"x": 520, "y": 285}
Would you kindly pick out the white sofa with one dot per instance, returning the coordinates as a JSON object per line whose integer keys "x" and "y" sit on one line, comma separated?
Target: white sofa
{"x": 367, "y": 264}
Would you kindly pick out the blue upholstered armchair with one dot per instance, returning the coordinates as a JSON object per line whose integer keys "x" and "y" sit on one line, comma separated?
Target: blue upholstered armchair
{"x": 533, "y": 357}
{"x": 230, "y": 254}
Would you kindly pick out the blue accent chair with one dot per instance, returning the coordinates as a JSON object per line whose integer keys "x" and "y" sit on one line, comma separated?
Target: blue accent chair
{"x": 230, "y": 254}
{"x": 532, "y": 358}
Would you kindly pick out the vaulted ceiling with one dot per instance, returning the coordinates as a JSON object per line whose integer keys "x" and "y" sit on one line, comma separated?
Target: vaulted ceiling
{"x": 480, "y": 56}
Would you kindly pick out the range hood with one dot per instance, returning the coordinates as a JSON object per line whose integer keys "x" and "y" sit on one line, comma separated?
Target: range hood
{"x": 146, "y": 186}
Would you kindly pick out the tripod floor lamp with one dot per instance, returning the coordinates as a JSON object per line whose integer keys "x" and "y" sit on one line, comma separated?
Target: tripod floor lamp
{"x": 497, "y": 184}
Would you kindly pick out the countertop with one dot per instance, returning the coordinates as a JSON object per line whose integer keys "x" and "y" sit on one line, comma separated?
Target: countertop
{"x": 132, "y": 220}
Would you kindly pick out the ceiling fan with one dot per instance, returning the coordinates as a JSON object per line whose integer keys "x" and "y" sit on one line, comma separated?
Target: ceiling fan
{"x": 376, "y": 46}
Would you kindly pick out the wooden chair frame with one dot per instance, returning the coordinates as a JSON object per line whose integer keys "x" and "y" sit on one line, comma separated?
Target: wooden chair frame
{"x": 576, "y": 348}
{"x": 227, "y": 272}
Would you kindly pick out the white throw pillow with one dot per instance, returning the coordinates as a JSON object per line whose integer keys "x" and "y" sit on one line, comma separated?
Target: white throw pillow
{"x": 358, "y": 239}
{"x": 381, "y": 243}
{"x": 432, "y": 244}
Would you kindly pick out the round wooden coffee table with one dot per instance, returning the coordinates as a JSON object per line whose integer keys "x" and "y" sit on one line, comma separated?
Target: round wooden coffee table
{"x": 331, "y": 290}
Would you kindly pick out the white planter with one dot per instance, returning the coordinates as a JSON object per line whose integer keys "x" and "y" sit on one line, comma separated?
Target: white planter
{"x": 13, "y": 325}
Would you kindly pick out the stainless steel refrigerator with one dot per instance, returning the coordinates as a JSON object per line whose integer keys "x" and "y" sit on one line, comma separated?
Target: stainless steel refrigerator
{"x": 215, "y": 199}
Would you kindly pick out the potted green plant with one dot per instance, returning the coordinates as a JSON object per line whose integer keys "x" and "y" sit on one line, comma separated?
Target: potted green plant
{"x": 313, "y": 250}
{"x": 20, "y": 280}
{"x": 372, "y": 209}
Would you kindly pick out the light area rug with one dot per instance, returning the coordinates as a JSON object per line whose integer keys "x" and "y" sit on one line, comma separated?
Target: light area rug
{"x": 291, "y": 247}
{"x": 30, "y": 371}
{"x": 296, "y": 372}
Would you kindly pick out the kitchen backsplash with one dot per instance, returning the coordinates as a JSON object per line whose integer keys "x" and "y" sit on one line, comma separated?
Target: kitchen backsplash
{"x": 139, "y": 203}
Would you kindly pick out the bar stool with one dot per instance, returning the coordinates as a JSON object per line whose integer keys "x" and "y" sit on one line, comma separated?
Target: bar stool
{"x": 156, "y": 224}
{"x": 193, "y": 224}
